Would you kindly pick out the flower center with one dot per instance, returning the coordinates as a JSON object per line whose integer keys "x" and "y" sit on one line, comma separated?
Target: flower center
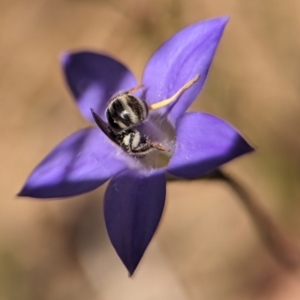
{"x": 154, "y": 135}
{"x": 145, "y": 135}
{"x": 159, "y": 131}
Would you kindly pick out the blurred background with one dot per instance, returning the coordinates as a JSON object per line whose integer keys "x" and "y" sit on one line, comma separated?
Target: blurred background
{"x": 207, "y": 246}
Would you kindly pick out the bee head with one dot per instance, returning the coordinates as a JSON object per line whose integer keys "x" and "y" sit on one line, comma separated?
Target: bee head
{"x": 125, "y": 111}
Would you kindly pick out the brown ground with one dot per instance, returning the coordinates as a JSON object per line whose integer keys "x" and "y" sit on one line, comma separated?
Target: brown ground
{"x": 206, "y": 246}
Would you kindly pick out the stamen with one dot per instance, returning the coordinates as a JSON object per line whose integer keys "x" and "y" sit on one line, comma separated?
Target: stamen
{"x": 176, "y": 95}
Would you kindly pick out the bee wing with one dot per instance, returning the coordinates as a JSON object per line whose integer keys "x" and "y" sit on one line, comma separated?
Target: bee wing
{"x": 101, "y": 124}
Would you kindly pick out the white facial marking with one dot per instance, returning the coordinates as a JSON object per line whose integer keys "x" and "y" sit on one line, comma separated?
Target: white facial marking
{"x": 128, "y": 111}
{"x": 126, "y": 139}
{"x": 136, "y": 140}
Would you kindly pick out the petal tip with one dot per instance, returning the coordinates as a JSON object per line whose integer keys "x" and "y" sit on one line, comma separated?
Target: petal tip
{"x": 225, "y": 19}
{"x": 65, "y": 58}
{"x": 26, "y": 192}
{"x": 245, "y": 146}
{"x": 21, "y": 193}
{"x": 221, "y": 22}
{"x": 130, "y": 274}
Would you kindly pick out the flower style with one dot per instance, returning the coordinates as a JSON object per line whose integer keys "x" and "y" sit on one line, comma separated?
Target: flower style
{"x": 198, "y": 142}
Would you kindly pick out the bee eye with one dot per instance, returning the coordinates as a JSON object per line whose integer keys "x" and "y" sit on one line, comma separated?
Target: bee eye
{"x": 124, "y": 113}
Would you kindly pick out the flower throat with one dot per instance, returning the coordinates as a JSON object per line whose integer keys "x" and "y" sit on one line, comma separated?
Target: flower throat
{"x": 138, "y": 130}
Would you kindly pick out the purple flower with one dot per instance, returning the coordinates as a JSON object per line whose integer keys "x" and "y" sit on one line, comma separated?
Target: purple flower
{"x": 198, "y": 142}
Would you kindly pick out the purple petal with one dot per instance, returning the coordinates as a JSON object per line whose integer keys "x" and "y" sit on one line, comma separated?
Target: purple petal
{"x": 80, "y": 163}
{"x": 94, "y": 78}
{"x": 204, "y": 142}
{"x": 180, "y": 59}
{"x": 133, "y": 207}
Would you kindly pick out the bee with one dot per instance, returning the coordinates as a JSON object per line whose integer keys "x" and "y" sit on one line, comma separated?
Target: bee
{"x": 135, "y": 143}
{"x": 124, "y": 112}
{"x": 132, "y": 141}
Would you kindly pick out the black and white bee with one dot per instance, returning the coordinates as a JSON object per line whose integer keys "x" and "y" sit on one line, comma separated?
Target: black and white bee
{"x": 135, "y": 143}
{"x": 130, "y": 140}
{"x": 124, "y": 112}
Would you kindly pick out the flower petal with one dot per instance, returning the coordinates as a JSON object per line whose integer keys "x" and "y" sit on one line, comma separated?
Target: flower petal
{"x": 204, "y": 142}
{"x": 94, "y": 78}
{"x": 133, "y": 206}
{"x": 80, "y": 163}
{"x": 180, "y": 59}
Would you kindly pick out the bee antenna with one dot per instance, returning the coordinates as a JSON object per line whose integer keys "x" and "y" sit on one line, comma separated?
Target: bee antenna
{"x": 131, "y": 91}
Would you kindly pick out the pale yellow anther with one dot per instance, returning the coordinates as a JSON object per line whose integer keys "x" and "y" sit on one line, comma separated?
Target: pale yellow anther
{"x": 176, "y": 95}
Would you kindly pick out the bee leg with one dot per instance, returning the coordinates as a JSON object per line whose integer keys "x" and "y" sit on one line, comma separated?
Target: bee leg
{"x": 147, "y": 146}
{"x": 159, "y": 147}
{"x": 142, "y": 148}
